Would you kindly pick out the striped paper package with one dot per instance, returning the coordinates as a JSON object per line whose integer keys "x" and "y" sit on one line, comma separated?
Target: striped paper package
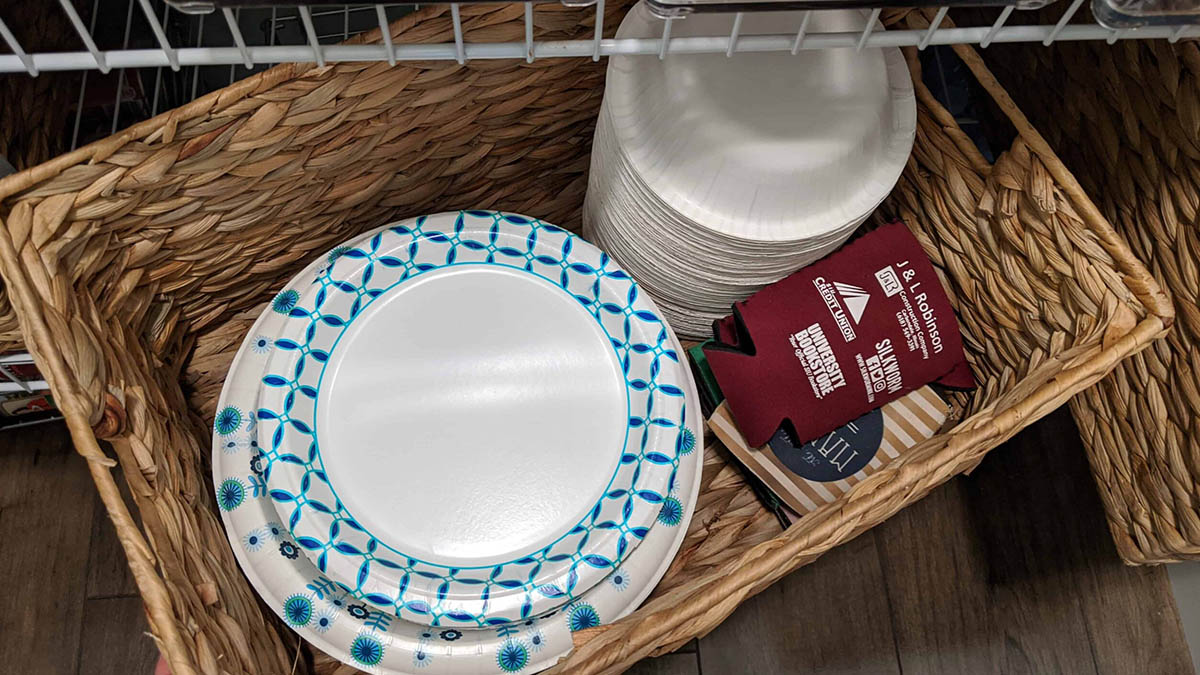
{"x": 805, "y": 476}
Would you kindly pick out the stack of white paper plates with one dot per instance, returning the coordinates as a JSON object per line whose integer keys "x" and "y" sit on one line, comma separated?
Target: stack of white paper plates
{"x": 455, "y": 440}
{"x": 712, "y": 177}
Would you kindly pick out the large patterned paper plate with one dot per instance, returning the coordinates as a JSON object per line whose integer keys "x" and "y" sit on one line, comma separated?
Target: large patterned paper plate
{"x": 332, "y": 619}
{"x": 469, "y": 419}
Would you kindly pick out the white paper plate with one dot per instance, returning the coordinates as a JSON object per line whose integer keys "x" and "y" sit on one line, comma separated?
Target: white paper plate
{"x": 766, "y": 146}
{"x": 712, "y": 178}
{"x": 328, "y": 615}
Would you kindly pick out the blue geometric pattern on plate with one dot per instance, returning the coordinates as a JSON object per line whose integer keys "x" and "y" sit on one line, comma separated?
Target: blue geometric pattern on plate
{"x": 425, "y": 591}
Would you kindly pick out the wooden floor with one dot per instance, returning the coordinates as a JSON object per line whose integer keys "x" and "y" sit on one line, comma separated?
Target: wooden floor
{"x": 1009, "y": 570}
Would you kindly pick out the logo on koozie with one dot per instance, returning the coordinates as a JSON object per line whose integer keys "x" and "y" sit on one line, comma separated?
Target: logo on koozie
{"x": 855, "y": 299}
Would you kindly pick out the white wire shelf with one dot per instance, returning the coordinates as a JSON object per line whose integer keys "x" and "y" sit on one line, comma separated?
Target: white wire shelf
{"x": 238, "y": 52}
{"x": 10, "y": 382}
{"x": 159, "y": 58}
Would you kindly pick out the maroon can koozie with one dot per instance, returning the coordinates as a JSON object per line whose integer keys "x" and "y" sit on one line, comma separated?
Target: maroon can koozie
{"x": 843, "y": 336}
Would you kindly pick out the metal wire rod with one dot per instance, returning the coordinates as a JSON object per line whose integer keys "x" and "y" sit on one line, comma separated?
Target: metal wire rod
{"x": 317, "y": 52}
{"x": 11, "y": 41}
{"x": 460, "y": 53}
{"x": 733, "y": 35}
{"x": 25, "y": 386}
{"x": 386, "y": 32}
{"x": 933, "y": 26}
{"x": 666, "y": 39}
{"x": 208, "y": 56}
{"x": 866, "y": 34}
{"x": 158, "y": 71}
{"x": 161, "y": 35}
{"x": 84, "y": 34}
{"x": 10, "y": 382}
{"x": 800, "y": 33}
{"x": 322, "y": 13}
{"x": 199, "y": 43}
{"x": 991, "y": 35}
{"x": 121, "y": 72}
{"x": 529, "y": 33}
{"x": 1062, "y": 22}
{"x": 236, "y": 31}
{"x": 83, "y": 85}
{"x": 599, "y": 29}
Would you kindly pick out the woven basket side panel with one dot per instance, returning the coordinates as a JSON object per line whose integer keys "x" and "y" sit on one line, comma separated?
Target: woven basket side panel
{"x": 216, "y": 621}
{"x": 34, "y": 114}
{"x": 1126, "y": 119}
{"x": 163, "y": 453}
{"x": 211, "y": 209}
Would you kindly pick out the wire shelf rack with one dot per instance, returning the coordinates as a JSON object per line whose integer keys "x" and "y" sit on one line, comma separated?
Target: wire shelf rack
{"x": 316, "y": 28}
{"x": 11, "y": 381}
{"x": 163, "y": 57}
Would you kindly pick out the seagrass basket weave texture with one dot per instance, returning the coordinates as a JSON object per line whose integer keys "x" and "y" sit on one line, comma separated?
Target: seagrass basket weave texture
{"x": 33, "y": 113}
{"x": 1126, "y": 119}
{"x": 137, "y": 264}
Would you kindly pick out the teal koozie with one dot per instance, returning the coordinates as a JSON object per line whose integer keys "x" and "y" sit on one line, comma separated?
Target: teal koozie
{"x": 710, "y": 391}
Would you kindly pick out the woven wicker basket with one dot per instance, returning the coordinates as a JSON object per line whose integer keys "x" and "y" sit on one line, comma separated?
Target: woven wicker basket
{"x": 136, "y": 263}
{"x": 1126, "y": 118}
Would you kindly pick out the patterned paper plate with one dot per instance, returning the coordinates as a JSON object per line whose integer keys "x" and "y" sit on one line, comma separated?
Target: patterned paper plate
{"x": 317, "y": 603}
{"x": 469, "y": 418}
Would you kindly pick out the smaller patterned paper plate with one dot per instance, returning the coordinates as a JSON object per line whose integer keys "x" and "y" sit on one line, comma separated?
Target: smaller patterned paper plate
{"x": 469, "y": 419}
{"x": 332, "y": 617}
